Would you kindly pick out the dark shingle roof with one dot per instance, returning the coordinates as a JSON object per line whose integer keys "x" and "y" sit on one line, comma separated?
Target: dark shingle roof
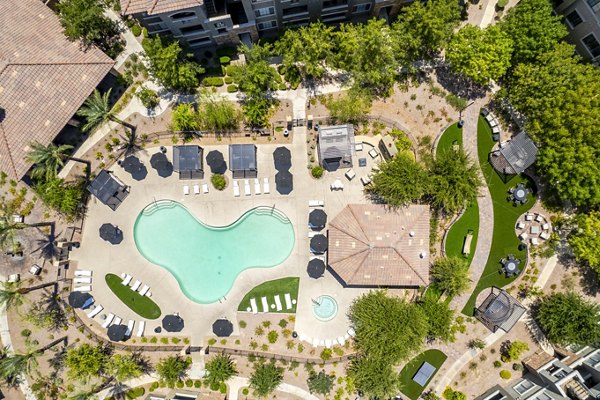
{"x": 242, "y": 157}
{"x": 187, "y": 158}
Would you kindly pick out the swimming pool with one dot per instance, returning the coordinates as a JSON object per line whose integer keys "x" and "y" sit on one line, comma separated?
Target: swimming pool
{"x": 325, "y": 308}
{"x": 206, "y": 260}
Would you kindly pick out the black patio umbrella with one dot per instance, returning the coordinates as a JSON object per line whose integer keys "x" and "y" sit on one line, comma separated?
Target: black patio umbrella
{"x": 216, "y": 162}
{"x": 111, "y": 233}
{"x": 222, "y": 328}
{"x": 134, "y": 166}
{"x": 161, "y": 164}
{"x": 140, "y": 173}
{"x": 318, "y": 244}
{"x": 80, "y": 300}
{"x": 284, "y": 181}
{"x": 116, "y": 333}
{"x": 172, "y": 323}
{"x": 317, "y": 219}
{"x": 282, "y": 158}
{"x": 315, "y": 268}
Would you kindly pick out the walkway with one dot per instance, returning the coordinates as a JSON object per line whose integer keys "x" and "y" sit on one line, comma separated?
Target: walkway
{"x": 131, "y": 43}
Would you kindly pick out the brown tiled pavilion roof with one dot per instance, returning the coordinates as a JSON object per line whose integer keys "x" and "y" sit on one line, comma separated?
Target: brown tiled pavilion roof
{"x": 372, "y": 245}
{"x": 44, "y": 79}
{"x": 129, "y": 7}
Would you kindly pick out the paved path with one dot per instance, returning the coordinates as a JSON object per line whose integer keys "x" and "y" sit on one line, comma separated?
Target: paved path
{"x": 235, "y": 384}
{"x": 131, "y": 43}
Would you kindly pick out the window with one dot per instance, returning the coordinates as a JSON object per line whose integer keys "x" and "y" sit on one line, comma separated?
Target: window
{"x": 153, "y": 20}
{"x": 592, "y": 45}
{"x": 191, "y": 29}
{"x": 573, "y": 19}
{"x": 334, "y": 3}
{"x": 183, "y": 15}
{"x": 595, "y": 358}
{"x": 595, "y": 4}
{"x": 295, "y": 10}
{"x": 267, "y": 25}
{"x": 361, "y": 7}
{"x": 543, "y": 396}
{"x": 261, "y": 12}
{"x": 198, "y": 41}
{"x": 523, "y": 387}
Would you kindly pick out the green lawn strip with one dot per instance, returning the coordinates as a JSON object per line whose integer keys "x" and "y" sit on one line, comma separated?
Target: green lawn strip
{"x": 141, "y": 305}
{"x": 504, "y": 239}
{"x": 411, "y": 388}
{"x": 269, "y": 289}
{"x": 455, "y": 238}
{"x": 452, "y": 134}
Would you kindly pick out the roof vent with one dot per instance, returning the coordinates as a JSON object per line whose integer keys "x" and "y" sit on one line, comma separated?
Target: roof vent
{"x": 411, "y": 233}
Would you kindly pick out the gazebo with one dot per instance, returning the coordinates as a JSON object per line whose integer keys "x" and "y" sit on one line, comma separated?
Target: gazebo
{"x": 108, "y": 189}
{"x": 499, "y": 310}
{"x": 336, "y": 146}
{"x": 242, "y": 160}
{"x": 515, "y": 156}
{"x": 187, "y": 161}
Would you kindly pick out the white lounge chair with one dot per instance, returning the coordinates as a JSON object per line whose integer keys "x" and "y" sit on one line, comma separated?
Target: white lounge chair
{"x": 186, "y": 190}
{"x": 365, "y": 180}
{"x": 83, "y": 289}
{"x": 136, "y": 285}
{"x": 539, "y": 218}
{"x": 312, "y": 234}
{"x": 278, "y": 303}
{"x": 253, "y": 306}
{"x": 544, "y": 235}
{"x": 83, "y": 273}
{"x": 373, "y": 153}
{"x": 117, "y": 321}
{"x": 236, "y": 189}
{"x": 534, "y": 241}
{"x": 351, "y": 332}
{"x": 321, "y": 342}
{"x": 196, "y": 189}
{"x": 256, "y": 186}
{"x": 148, "y": 294}
{"x": 82, "y": 279}
{"x": 288, "y": 301}
{"x": 265, "y": 304}
{"x": 528, "y": 217}
{"x": 328, "y": 343}
{"x": 126, "y": 280}
{"x": 315, "y": 342}
{"x": 316, "y": 203}
{"x": 546, "y": 226}
{"x": 247, "y": 187}
{"x": 144, "y": 290}
{"x": 341, "y": 341}
{"x": 141, "y": 326}
{"x": 350, "y": 174}
{"x": 205, "y": 188}
{"x": 358, "y": 146}
{"x": 266, "y": 187}
{"x": 95, "y": 311}
{"x": 129, "y": 328}
{"x": 108, "y": 320}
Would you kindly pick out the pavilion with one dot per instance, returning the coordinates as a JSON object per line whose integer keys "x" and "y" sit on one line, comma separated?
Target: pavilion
{"x": 499, "y": 310}
{"x": 187, "y": 161}
{"x": 514, "y": 156}
{"x": 108, "y": 189}
{"x": 242, "y": 160}
{"x": 336, "y": 146}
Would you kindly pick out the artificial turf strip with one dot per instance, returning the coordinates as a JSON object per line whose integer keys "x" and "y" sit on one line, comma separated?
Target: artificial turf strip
{"x": 141, "y": 305}
{"x": 504, "y": 238}
{"x": 452, "y": 134}
{"x": 411, "y": 388}
{"x": 269, "y": 289}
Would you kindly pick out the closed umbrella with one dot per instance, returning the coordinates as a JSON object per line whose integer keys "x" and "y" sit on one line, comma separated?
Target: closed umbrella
{"x": 318, "y": 244}
{"x": 284, "y": 182}
{"x": 116, "y": 333}
{"x": 161, "y": 164}
{"x": 80, "y": 300}
{"x": 111, "y": 233}
{"x": 172, "y": 323}
{"x": 317, "y": 219}
{"x": 222, "y": 328}
{"x": 282, "y": 158}
{"x": 315, "y": 268}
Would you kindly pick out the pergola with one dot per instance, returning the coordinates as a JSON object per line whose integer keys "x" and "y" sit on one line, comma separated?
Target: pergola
{"x": 499, "y": 310}
{"x": 108, "y": 189}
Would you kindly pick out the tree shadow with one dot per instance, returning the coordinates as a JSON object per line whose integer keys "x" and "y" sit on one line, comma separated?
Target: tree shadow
{"x": 459, "y": 84}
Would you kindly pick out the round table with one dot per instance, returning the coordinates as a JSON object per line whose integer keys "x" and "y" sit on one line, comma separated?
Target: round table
{"x": 520, "y": 194}
{"x": 511, "y": 266}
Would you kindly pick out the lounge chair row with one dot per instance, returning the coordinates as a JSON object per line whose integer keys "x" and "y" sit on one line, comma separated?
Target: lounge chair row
{"x": 277, "y": 306}
{"x": 266, "y": 189}
{"x": 83, "y": 278}
{"x": 186, "y": 189}
{"x": 315, "y": 342}
{"x": 112, "y": 319}
{"x": 144, "y": 290}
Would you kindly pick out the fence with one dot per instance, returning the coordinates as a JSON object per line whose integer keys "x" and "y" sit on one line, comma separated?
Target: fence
{"x": 281, "y": 357}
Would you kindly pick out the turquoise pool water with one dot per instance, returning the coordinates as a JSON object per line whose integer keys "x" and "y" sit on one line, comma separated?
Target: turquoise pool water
{"x": 206, "y": 260}
{"x": 325, "y": 308}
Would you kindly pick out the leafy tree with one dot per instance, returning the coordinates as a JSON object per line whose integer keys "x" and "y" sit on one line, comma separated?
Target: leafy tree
{"x": 172, "y": 369}
{"x": 514, "y": 350}
{"x": 567, "y": 318}
{"x": 123, "y": 367}
{"x": 48, "y": 159}
{"x": 352, "y": 106}
{"x": 439, "y": 318}
{"x": 265, "y": 378}
{"x": 533, "y": 28}
{"x": 184, "y": 118}
{"x": 47, "y": 313}
{"x": 400, "y": 181}
{"x": 308, "y": 47}
{"x": 63, "y": 197}
{"x": 220, "y": 368}
{"x": 148, "y": 97}
{"x": 477, "y": 344}
{"x": 86, "y": 361}
{"x": 585, "y": 241}
{"x": 451, "y": 275}
{"x": 320, "y": 383}
{"x": 480, "y": 54}
{"x": 84, "y": 20}
{"x": 455, "y": 181}
{"x": 48, "y": 387}
{"x": 373, "y": 376}
{"x": 170, "y": 66}
{"x": 97, "y": 111}
{"x": 257, "y": 110}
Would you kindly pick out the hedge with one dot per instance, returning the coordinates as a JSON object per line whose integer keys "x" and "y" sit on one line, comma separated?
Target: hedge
{"x": 213, "y": 81}
{"x": 232, "y": 88}
{"x": 282, "y": 86}
{"x": 136, "y": 30}
{"x": 228, "y": 80}
{"x": 224, "y": 60}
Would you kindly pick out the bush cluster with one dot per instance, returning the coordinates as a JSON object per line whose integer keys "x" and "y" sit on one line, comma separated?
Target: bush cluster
{"x": 213, "y": 81}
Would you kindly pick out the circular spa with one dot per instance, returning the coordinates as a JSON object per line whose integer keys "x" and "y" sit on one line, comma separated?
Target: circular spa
{"x": 325, "y": 308}
{"x": 205, "y": 259}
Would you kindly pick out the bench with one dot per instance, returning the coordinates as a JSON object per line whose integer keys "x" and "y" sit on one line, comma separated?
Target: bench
{"x": 467, "y": 245}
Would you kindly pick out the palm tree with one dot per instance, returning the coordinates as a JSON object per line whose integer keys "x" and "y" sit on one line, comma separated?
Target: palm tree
{"x": 48, "y": 159}
{"x": 130, "y": 143}
{"x": 8, "y": 231}
{"x": 14, "y": 365}
{"x": 48, "y": 387}
{"x": 12, "y": 294}
{"x": 97, "y": 111}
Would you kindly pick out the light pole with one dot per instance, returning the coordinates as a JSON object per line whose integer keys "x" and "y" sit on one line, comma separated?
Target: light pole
{"x": 460, "y": 120}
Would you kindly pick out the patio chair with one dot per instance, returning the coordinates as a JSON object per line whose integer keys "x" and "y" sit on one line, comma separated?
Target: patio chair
{"x": 278, "y": 302}
{"x": 247, "y": 187}
{"x": 265, "y": 304}
{"x": 129, "y": 330}
{"x": 117, "y": 321}
{"x": 141, "y": 326}
{"x": 95, "y": 311}
{"x": 196, "y": 189}
{"x": 316, "y": 203}
{"x": 80, "y": 272}
{"x": 144, "y": 290}
{"x": 136, "y": 285}
{"x": 83, "y": 289}
{"x": 126, "y": 279}
{"x": 108, "y": 320}
{"x": 186, "y": 190}
{"x": 328, "y": 343}
{"x": 205, "y": 188}
{"x": 266, "y": 188}
{"x": 256, "y": 186}
{"x": 82, "y": 279}
{"x": 288, "y": 301}
{"x": 253, "y": 306}
{"x": 236, "y": 189}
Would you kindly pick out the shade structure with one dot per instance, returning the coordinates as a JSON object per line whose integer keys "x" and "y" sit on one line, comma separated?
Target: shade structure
{"x": 318, "y": 244}
{"x": 282, "y": 157}
{"x": 216, "y": 162}
{"x": 80, "y": 300}
{"x": 108, "y": 189}
{"x": 161, "y": 164}
{"x": 116, "y": 333}
{"x": 111, "y": 233}
{"x": 317, "y": 219}
{"x": 315, "y": 268}
{"x": 222, "y": 327}
{"x": 135, "y": 167}
{"x": 284, "y": 181}
{"x": 172, "y": 323}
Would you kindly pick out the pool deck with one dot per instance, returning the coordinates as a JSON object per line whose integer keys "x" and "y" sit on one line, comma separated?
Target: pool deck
{"x": 221, "y": 208}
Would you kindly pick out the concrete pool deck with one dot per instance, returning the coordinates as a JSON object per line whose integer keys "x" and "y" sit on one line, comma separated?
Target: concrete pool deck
{"x": 217, "y": 209}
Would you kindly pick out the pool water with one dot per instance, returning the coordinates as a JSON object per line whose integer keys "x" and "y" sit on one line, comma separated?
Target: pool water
{"x": 325, "y": 308}
{"x": 206, "y": 260}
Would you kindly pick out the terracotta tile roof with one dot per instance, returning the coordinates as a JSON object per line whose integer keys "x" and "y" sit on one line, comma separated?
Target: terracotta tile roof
{"x": 44, "y": 79}
{"x": 129, "y": 7}
{"x": 371, "y": 245}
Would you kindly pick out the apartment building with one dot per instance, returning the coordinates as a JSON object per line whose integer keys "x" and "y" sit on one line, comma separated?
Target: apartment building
{"x": 572, "y": 373}
{"x": 582, "y": 18}
{"x": 203, "y": 23}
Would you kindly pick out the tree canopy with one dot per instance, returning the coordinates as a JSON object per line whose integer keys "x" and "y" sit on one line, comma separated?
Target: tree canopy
{"x": 451, "y": 275}
{"x": 265, "y": 378}
{"x": 321, "y": 383}
{"x": 351, "y": 106}
{"x": 172, "y": 369}
{"x": 86, "y": 361}
{"x": 440, "y": 318}
{"x": 585, "y": 241}
{"x": 220, "y": 368}
{"x": 400, "y": 181}
{"x": 374, "y": 377}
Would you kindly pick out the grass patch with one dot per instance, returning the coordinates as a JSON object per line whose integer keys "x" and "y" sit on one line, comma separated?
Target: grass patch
{"x": 141, "y": 305}
{"x": 504, "y": 239}
{"x": 270, "y": 289}
{"x": 452, "y": 134}
{"x": 411, "y": 388}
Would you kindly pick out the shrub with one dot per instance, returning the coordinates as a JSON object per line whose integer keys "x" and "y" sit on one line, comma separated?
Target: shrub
{"x": 283, "y": 323}
{"x": 317, "y": 171}
{"x": 232, "y": 88}
{"x": 189, "y": 383}
{"x": 223, "y": 388}
{"x": 242, "y": 324}
{"x": 326, "y": 354}
{"x": 517, "y": 367}
{"x": 153, "y": 386}
{"x": 212, "y": 341}
{"x": 228, "y": 80}
{"x": 135, "y": 393}
{"x": 136, "y": 30}
{"x": 245, "y": 391}
{"x": 282, "y": 86}
{"x": 213, "y": 81}
{"x": 501, "y": 4}
{"x": 273, "y": 336}
{"x": 179, "y": 384}
{"x": 218, "y": 181}
{"x": 505, "y": 374}
{"x": 197, "y": 383}
{"x": 164, "y": 340}
{"x": 497, "y": 364}
{"x": 154, "y": 339}
{"x": 226, "y": 51}
{"x": 226, "y": 60}
{"x": 144, "y": 32}
{"x": 25, "y": 333}
{"x": 148, "y": 97}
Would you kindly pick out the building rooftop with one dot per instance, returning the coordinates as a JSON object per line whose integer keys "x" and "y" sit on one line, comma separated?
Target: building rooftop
{"x": 44, "y": 79}
{"x": 372, "y": 245}
{"x": 336, "y": 146}
{"x": 516, "y": 155}
{"x": 108, "y": 189}
{"x": 151, "y": 7}
{"x": 499, "y": 310}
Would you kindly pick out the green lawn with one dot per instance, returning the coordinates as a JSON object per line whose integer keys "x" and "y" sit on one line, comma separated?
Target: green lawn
{"x": 270, "y": 289}
{"x": 141, "y": 305}
{"x": 452, "y": 134}
{"x": 409, "y": 387}
{"x": 504, "y": 239}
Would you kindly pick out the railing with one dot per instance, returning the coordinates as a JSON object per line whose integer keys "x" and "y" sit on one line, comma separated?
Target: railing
{"x": 305, "y": 360}
{"x": 158, "y": 205}
{"x": 264, "y": 210}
